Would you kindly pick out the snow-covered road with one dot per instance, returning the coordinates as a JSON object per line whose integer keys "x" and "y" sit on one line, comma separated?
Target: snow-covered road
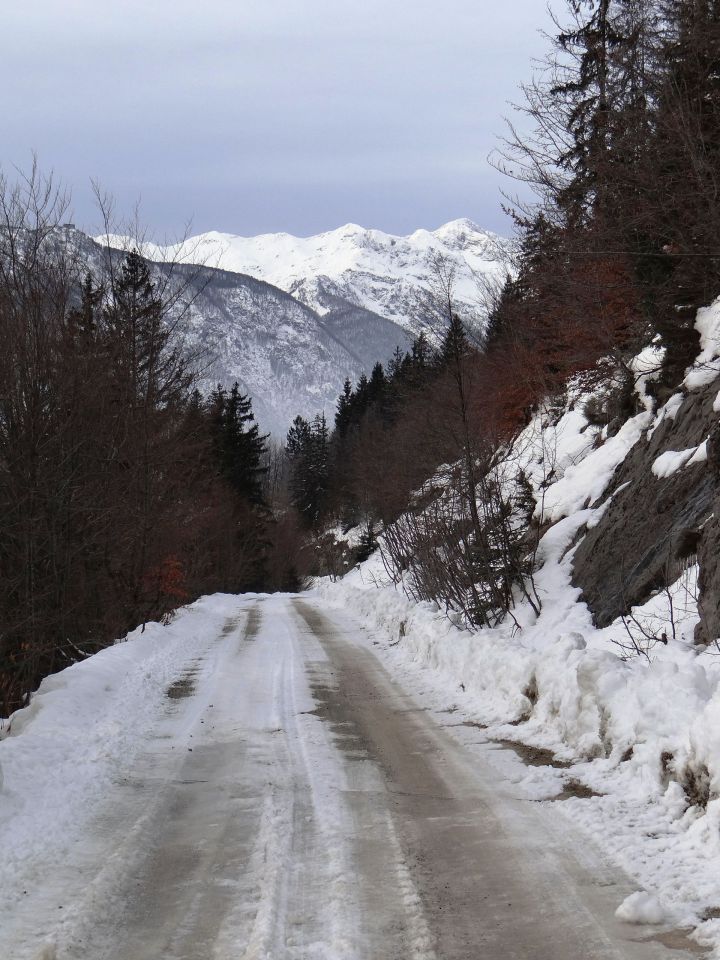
{"x": 258, "y": 786}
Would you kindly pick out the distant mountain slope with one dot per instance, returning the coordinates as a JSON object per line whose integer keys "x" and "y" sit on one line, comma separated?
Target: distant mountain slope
{"x": 289, "y": 359}
{"x": 283, "y": 353}
{"x": 290, "y": 317}
{"x": 367, "y": 268}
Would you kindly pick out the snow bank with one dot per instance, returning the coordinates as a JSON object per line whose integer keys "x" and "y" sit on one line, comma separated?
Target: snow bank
{"x": 82, "y": 729}
{"x": 583, "y": 483}
{"x": 641, "y": 733}
{"x": 634, "y": 707}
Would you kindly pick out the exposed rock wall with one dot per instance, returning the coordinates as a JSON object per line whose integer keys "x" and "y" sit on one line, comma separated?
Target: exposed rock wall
{"x": 708, "y": 630}
{"x": 655, "y": 525}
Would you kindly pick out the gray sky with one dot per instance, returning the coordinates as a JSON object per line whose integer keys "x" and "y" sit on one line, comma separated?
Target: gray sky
{"x": 254, "y": 116}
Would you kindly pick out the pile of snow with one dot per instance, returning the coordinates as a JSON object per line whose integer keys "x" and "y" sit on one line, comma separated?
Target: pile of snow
{"x": 707, "y": 366}
{"x": 671, "y": 461}
{"x": 583, "y": 483}
{"x": 641, "y": 907}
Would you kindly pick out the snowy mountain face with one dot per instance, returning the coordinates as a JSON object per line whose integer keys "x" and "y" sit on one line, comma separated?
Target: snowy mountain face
{"x": 285, "y": 355}
{"x": 290, "y": 318}
{"x": 367, "y": 268}
{"x": 288, "y": 358}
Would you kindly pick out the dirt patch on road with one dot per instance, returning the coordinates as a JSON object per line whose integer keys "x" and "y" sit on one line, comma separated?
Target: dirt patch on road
{"x": 184, "y": 687}
{"x": 252, "y": 627}
{"x": 534, "y": 756}
{"x": 678, "y": 940}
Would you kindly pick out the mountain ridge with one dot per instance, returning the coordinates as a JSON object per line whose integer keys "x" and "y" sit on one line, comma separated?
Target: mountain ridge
{"x": 290, "y": 318}
{"x": 378, "y": 271}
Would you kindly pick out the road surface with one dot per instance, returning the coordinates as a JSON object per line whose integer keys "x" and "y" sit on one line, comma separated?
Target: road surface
{"x": 294, "y": 803}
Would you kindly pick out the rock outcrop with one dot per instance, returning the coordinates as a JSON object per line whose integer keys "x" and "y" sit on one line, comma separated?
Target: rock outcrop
{"x": 708, "y": 630}
{"x": 656, "y": 525}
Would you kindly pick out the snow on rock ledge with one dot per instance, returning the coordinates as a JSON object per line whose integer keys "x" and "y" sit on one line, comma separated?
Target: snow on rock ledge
{"x": 707, "y": 365}
{"x": 583, "y": 483}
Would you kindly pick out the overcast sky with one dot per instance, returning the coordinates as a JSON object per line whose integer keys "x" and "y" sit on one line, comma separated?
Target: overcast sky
{"x": 253, "y": 116}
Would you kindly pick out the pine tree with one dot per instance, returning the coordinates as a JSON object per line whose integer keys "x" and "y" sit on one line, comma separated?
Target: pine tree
{"x": 344, "y": 409}
{"x": 586, "y": 89}
{"x": 297, "y": 447}
{"x": 396, "y": 363}
{"x": 685, "y": 206}
{"x": 148, "y": 388}
{"x": 455, "y": 347}
{"x": 149, "y": 368}
{"x": 297, "y": 438}
{"x": 319, "y": 464}
{"x": 376, "y": 384}
{"x": 421, "y": 355}
{"x": 240, "y": 446}
{"x": 308, "y": 451}
{"x": 83, "y": 321}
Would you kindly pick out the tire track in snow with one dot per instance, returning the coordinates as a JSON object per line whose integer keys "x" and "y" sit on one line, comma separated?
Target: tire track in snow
{"x": 384, "y": 892}
{"x": 479, "y": 872}
{"x": 136, "y": 903}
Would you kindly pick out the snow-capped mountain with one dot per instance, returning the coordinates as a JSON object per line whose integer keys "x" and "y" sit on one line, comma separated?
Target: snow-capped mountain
{"x": 367, "y": 268}
{"x": 291, "y": 317}
{"x": 289, "y": 358}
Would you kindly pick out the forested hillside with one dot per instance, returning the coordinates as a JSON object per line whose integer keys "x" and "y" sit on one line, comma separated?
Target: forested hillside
{"x": 124, "y": 491}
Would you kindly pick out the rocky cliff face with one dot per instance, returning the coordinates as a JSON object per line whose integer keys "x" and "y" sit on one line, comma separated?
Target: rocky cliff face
{"x": 708, "y": 630}
{"x": 663, "y": 515}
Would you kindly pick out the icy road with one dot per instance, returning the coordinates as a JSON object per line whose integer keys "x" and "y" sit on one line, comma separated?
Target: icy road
{"x": 277, "y": 796}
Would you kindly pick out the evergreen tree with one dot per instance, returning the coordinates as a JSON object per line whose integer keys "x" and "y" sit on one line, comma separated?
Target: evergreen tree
{"x": 378, "y": 400}
{"x": 361, "y": 399}
{"x": 421, "y": 356}
{"x": 376, "y": 384}
{"x": 297, "y": 447}
{"x": 455, "y": 346}
{"x": 396, "y": 363}
{"x": 308, "y": 451}
{"x": 585, "y": 88}
{"x": 149, "y": 370}
{"x": 83, "y": 321}
{"x": 297, "y": 438}
{"x": 492, "y": 334}
{"x": 684, "y": 200}
{"x": 344, "y": 409}
{"x": 319, "y": 465}
{"x": 240, "y": 446}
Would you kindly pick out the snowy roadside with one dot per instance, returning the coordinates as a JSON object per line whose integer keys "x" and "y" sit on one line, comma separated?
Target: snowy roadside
{"x": 61, "y": 755}
{"x": 177, "y": 790}
{"x": 628, "y": 741}
{"x": 633, "y": 743}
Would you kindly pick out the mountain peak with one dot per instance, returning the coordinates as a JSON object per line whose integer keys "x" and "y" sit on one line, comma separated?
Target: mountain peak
{"x": 462, "y": 225}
